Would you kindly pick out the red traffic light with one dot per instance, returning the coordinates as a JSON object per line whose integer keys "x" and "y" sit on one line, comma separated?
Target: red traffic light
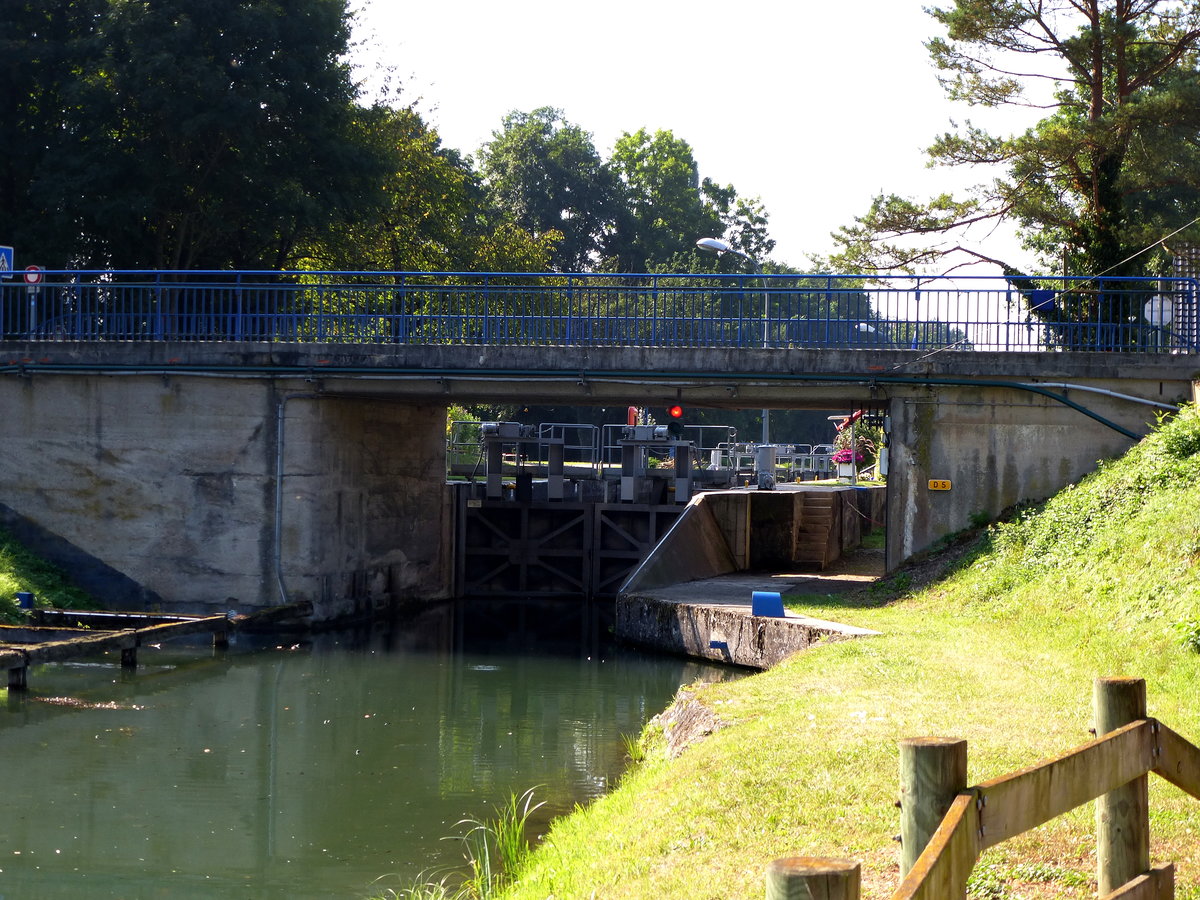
{"x": 675, "y": 425}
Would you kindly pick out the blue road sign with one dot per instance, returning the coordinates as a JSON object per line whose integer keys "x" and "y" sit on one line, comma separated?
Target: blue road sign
{"x": 6, "y": 262}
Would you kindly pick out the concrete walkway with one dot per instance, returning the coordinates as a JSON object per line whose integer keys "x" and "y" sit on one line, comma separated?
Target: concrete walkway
{"x": 712, "y": 618}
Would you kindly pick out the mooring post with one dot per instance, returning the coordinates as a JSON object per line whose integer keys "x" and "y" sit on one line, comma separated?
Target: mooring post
{"x": 18, "y": 678}
{"x": 933, "y": 771}
{"x": 1123, "y": 815}
{"x": 813, "y": 878}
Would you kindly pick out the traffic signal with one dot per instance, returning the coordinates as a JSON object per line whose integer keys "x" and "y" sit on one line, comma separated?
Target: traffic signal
{"x": 675, "y": 426}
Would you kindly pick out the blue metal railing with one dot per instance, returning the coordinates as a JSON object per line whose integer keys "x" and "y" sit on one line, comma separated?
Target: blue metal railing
{"x": 688, "y": 310}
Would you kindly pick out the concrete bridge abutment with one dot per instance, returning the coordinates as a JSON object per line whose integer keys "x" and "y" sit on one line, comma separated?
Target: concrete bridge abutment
{"x": 209, "y": 493}
{"x": 962, "y": 454}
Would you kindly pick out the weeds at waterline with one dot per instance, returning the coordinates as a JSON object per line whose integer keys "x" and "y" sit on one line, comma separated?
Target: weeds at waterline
{"x": 495, "y": 850}
{"x": 635, "y": 750}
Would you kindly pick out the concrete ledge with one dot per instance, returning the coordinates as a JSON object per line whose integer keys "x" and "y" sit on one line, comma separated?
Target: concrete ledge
{"x": 722, "y": 632}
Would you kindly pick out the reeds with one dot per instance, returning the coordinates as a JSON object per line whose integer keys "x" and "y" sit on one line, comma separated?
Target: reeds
{"x": 495, "y": 849}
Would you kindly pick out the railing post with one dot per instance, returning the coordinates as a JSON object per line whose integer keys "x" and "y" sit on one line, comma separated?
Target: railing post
{"x": 933, "y": 771}
{"x": 571, "y": 311}
{"x": 918, "y": 332}
{"x": 813, "y": 878}
{"x": 654, "y": 308}
{"x": 239, "y": 311}
{"x": 1123, "y": 815}
{"x": 159, "y": 313}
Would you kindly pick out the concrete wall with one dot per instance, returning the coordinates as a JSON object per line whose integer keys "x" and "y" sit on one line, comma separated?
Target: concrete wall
{"x": 997, "y": 447}
{"x": 721, "y": 532}
{"x": 728, "y": 635}
{"x": 160, "y": 492}
{"x": 695, "y": 547}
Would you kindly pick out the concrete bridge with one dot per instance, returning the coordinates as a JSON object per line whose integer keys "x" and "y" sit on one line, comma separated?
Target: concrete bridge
{"x": 206, "y": 473}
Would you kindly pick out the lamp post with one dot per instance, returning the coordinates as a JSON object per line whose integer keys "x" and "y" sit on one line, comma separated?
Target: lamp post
{"x": 716, "y": 245}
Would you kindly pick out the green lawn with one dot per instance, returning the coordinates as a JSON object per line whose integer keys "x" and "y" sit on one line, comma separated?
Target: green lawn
{"x": 1001, "y": 650}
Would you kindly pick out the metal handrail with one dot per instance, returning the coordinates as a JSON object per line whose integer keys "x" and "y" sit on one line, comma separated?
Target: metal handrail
{"x": 1149, "y": 315}
{"x": 581, "y": 443}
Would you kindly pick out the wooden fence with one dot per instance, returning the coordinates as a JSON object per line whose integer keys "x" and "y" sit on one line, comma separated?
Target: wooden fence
{"x": 946, "y": 825}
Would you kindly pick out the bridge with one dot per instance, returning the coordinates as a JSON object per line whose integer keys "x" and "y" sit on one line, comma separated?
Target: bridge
{"x": 247, "y": 439}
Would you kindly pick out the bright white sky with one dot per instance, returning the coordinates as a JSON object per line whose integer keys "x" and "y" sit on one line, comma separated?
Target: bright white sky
{"x": 813, "y": 106}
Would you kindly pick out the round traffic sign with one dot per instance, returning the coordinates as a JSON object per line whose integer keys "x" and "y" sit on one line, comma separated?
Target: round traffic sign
{"x": 33, "y": 274}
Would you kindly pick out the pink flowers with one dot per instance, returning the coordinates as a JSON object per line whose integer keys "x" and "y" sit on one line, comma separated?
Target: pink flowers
{"x": 845, "y": 455}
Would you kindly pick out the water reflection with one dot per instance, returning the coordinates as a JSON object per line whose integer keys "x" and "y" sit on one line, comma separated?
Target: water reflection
{"x": 309, "y": 769}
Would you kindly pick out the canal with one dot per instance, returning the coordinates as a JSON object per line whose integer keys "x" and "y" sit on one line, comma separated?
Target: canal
{"x": 331, "y": 766}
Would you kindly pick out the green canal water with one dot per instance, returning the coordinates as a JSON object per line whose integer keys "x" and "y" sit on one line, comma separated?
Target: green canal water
{"x": 335, "y": 766}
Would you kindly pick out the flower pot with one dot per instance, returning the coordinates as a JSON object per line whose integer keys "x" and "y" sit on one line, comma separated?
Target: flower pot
{"x": 845, "y": 470}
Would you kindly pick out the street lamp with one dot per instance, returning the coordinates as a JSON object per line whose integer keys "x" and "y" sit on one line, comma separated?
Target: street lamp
{"x": 716, "y": 245}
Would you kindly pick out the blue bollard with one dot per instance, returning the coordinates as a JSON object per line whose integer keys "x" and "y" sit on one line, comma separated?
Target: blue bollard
{"x": 766, "y": 603}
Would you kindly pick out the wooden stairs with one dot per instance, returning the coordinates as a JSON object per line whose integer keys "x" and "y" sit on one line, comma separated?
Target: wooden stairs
{"x": 819, "y": 529}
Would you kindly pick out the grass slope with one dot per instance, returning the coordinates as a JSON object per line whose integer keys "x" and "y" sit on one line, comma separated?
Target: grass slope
{"x": 21, "y": 570}
{"x": 1001, "y": 650}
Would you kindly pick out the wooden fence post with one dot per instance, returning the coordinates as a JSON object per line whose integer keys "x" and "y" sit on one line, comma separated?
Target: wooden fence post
{"x": 932, "y": 773}
{"x": 1123, "y": 815}
{"x": 813, "y": 878}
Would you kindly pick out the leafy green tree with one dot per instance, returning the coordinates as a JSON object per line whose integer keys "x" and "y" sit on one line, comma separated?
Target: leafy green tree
{"x": 424, "y": 213}
{"x": 746, "y": 227}
{"x": 668, "y": 207}
{"x": 206, "y": 133}
{"x": 1112, "y": 167}
{"x": 430, "y": 215}
{"x": 509, "y": 248}
{"x": 544, "y": 174}
{"x": 43, "y": 46}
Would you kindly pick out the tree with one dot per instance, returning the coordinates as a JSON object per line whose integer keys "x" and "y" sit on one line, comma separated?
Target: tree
{"x": 1112, "y": 167}
{"x": 417, "y": 219}
{"x": 545, "y": 175}
{"x": 746, "y": 227}
{"x": 430, "y": 215}
{"x": 668, "y": 206}
{"x": 43, "y": 45}
{"x": 205, "y": 133}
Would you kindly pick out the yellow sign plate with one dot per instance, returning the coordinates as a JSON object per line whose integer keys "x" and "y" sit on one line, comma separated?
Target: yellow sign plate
{"x": 939, "y": 484}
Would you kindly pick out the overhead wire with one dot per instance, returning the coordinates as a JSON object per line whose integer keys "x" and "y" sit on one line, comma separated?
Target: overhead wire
{"x": 1146, "y": 249}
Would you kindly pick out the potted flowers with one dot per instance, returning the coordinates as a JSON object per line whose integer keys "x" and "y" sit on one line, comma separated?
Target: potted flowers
{"x": 846, "y": 459}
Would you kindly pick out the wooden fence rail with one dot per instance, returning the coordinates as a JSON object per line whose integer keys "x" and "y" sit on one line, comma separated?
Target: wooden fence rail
{"x": 946, "y": 825}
